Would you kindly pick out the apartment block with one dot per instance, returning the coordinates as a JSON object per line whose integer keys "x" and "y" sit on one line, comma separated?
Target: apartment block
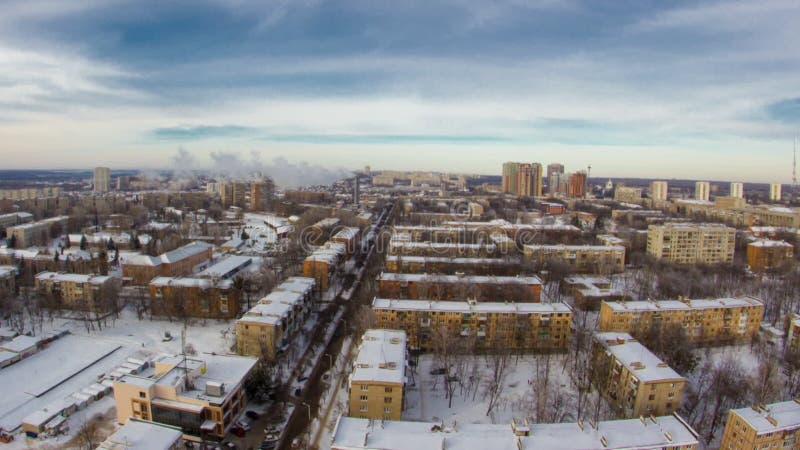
{"x": 702, "y": 189}
{"x": 711, "y": 321}
{"x": 202, "y": 397}
{"x": 102, "y": 180}
{"x": 438, "y": 264}
{"x": 773, "y": 426}
{"x": 775, "y": 192}
{"x": 35, "y": 233}
{"x": 141, "y": 269}
{"x": 628, "y": 194}
{"x": 324, "y": 263}
{"x": 659, "y": 190}
{"x": 576, "y": 186}
{"x": 232, "y": 194}
{"x": 737, "y": 190}
{"x": 514, "y": 326}
{"x": 601, "y": 259}
{"x": 8, "y": 275}
{"x": 688, "y": 243}
{"x": 350, "y": 237}
{"x": 792, "y": 343}
{"x": 9, "y": 220}
{"x": 400, "y": 246}
{"x": 269, "y": 326}
{"x": 638, "y": 383}
{"x": 77, "y": 291}
{"x": 483, "y": 288}
{"x": 377, "y": 382}
{"x": 653, "y": 433}
{"x": 261, "y": 194}
{"x": 144, "y": 435}
{"x": 766, "y": 254}
{"x": 589, "y": 291}
{"x": 307, "y": 196}
{"x": 522, "y": 179}
{"x": 193, "y": 297}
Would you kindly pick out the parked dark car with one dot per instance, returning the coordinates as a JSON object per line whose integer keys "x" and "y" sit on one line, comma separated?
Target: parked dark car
{"x": 238, "y": 431}
{"x": 252, "y": 414}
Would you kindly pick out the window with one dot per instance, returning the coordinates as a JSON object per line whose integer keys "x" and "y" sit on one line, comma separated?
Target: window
{"x": 142, "y": 395}
{"x": 363, "y": 398}
{"x": 387, "y": 390}
{"x": 651, "y": 397}
{"x": 387, "y": 399}
{"x": 365, "y": 387}
{"x": 363, "y": 408}
{"x": 387, "y": 410}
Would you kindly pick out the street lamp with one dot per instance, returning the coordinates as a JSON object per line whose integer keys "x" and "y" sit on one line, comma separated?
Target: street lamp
{"x": 330, "y": 360}
{"x": 308, "y": 408}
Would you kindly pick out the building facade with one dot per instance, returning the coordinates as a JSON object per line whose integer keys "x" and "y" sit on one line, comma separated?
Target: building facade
{"x": 415, "y": 286}
{"x": 377, "y": 382}
{"x": 102, "y": 180}
{"x": 268, "y": 327}
{"x": 635, "y": 382}
{"x": 776, "y": 425}
{"x": 737, "y": 190}
{"x": 513, "y": 326}
{"x": 179, "y": 262}
{"x": 775, "y": 192}
{"x": 193, "y": 297}
{"x": 702, "y": 189}
{"x": 688, "y": 243}
{"x": 77, "y": 291}
{"x": 713, "y": 321}
{"x": 766, "y": 254}
{"x": 600, "y": 259}
{"x": 659, "y": 190}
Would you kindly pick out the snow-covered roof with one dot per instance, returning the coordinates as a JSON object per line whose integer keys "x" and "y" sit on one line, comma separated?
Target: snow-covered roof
{"x": 72, "y": 277}
{"x": 686, "y": 226}
{"x": 381, "y": 357}
{"x": 19, "y": 344}
{"x": 202, "y": 283}
{"x": 7, "y": 271}
{"x": 139, "y": 435}
{"x": 364, "y": 434}
{"x": 138, "y": 259}
{"x": 328, "y": 253}
{"x": 562, "y": 247}
{"x": 346, "y": 233}
{"x": 441, "y": 245}
{"x": 227, "y": 267}
{"x": 639, "y": 361}
{"x": 469, "y": 279}
{"x": 444, "y": 259}
{"x": 465, "y": 306}
{"x": 233, "y": 243}
{"x": 184, "y": 252}
{"x": 278, "y": 303}
{"x": 686, "y": 305}
{"x": 775, "y": 417}
{"x": 297, "y": 284}
{"x": 769, "y": 243}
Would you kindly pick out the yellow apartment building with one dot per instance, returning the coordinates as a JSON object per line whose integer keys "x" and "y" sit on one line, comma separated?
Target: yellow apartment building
{"x": 602, "y": 259}
{"x": 689, "y": 243}
{"x": 379, "y": 374}
{"x": 710, "y": 321}
{"x": 488, "y": 325}
{"x": 774, "y": 426}
{"x": 638, "y": 383}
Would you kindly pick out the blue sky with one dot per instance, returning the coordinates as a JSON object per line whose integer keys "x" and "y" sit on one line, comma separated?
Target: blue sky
{"x": 634, "y": 88}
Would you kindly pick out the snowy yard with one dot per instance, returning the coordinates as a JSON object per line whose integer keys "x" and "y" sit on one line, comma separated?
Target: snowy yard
{"x": 426, "y": 397}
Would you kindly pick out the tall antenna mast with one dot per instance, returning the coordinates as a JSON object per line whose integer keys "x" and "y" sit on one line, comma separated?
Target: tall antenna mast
{"x": 794, "y": 163}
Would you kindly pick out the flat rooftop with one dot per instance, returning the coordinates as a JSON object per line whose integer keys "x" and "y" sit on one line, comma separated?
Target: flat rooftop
{"x": 226, "y": 267}
{"x": 786, "y": 416}
{"x": 684, "y": 305}
{"x": 443, "y": 278}
{"x": 139, "y": 435}
{"x": 381, "y": 357}
{"x": 355, "y": 434}
{"x": 464, "y": 306}
{"x": 640, "y": 361}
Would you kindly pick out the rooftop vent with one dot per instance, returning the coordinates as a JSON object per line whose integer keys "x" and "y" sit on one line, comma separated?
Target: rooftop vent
{"x": 215, "y": 388}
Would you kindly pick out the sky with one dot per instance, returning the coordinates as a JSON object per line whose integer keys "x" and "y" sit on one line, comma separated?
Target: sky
{"x": 633, "y": 88}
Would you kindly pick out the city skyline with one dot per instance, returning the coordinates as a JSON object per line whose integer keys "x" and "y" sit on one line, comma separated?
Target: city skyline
{"x": 647, "y": 90}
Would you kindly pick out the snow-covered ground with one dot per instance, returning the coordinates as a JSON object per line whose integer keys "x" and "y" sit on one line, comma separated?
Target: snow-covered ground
{"x": 426, "y": 395}
{"x": 77, "y": 360}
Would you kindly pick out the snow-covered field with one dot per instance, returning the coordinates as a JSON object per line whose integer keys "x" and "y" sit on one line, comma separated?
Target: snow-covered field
{"x": 77, "y": 360}
{"x": 426, "y": 398}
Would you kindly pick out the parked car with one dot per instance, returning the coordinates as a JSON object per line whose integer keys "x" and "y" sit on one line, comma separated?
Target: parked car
{"x": 268, "y": 445}
{"x": 241, "y": 423}
{"x": 439, "y": 371}
{"x": 238, "y": 431}
{"x": 252, "y": 414}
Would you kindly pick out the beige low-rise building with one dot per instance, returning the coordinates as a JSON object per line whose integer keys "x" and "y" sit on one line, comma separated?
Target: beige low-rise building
{"x": 377, "y": 383}
{"x": 636, "y": 382}
{"x": 36, "y": 233}
{"x": 708, "y": 321}
{"x": 489, "y": 325}
{"x": 773, "y": 426}
{"x": 766, "y": 254}
{"x": 202, "y": 397}
{"x": 652, "y": 433}
{"x": 269, "y": 326}
{"x": 688, "y": 243}
{"x": 600, "y": 259}
{"x": 460, "y": 286}
{"x": 78, "y": 291}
